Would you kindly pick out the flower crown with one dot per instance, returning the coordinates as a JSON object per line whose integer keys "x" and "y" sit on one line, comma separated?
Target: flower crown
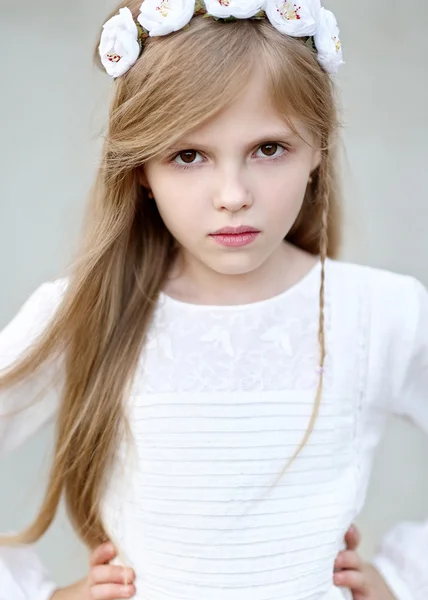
{"x": 122, "y": 39}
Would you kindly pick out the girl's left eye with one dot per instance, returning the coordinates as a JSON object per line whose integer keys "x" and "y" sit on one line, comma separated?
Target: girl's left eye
{"x": 270, "y": 150}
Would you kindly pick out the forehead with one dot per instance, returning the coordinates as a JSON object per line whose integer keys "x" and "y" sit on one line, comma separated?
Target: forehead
{"x": 252, "y": 114}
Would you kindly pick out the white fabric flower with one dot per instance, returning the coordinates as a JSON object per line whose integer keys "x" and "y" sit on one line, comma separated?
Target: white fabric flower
{"x": 327, "y": 42}
{"x": 161, "y": 17}
{"x": 119, "y": 47}
{"x": 240, "y": 9}
{"x": 293, "y": 17}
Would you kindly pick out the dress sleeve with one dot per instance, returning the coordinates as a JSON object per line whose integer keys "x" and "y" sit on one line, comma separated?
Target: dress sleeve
{"x": 27, "y": 406}
{"x": 22, "y": 575}
{"x": 403, "y": 555}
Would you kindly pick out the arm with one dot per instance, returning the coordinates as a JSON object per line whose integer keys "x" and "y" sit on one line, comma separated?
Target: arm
{"x": 403, "y": 557}
{"x": 22, "y": 576}
{"x": 361, "y": 578}
{"x": 403, "y": 561}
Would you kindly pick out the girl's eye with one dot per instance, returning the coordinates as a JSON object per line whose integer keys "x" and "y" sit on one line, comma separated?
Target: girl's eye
{"x": 187, "y": 157}
{"x": 270, "y": 150}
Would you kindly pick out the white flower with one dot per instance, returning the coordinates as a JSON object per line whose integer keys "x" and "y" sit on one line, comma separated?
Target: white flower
{"x": 161, "y": 17}
{"x": 240, "y": 9}
{"x": 293, "y": 17}
{"x": 327, "y": 42}
{"x": 119, "y": 47}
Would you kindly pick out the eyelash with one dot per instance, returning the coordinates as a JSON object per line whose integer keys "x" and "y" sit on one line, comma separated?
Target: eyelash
{"x": 192, "y": 165}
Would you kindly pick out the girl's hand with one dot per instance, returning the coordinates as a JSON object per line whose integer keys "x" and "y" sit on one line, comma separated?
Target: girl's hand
{"x": 104, "y": 582}
{"x": 365, "y": 582}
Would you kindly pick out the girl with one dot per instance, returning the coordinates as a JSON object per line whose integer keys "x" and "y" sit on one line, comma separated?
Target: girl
{"x": 220, "y": 382}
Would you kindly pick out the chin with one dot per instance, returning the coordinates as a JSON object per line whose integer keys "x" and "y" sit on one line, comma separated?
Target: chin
{"x": 235, "y": 265}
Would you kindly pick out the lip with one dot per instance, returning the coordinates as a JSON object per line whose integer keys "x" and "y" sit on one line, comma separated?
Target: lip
{"x": 236, "y": 230}
{"x": 235, "y": 237}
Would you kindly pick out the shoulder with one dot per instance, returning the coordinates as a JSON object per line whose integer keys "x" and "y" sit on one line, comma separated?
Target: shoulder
{"x": 377, "y": 286}
{"x": 51, "y": 292}
{"x": 382, "y": 314}
{"x": 391, "y": 306}
{"x": 33, "y": 315}
{"x": 45, "y": 299}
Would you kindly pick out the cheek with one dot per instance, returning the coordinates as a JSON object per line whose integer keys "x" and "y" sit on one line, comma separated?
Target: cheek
{"x": 284, "y": 194}
{"x": 179, "y": 205}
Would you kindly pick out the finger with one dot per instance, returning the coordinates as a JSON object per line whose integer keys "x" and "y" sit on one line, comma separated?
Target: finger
{"x": 354, "y": 580}
{"x": 353, "y": 538}
{"x": 349, "y": 560}
{"x": 111, "y": 574}
{"x": 111, "y": 591}
{"x": 103, "y": 554}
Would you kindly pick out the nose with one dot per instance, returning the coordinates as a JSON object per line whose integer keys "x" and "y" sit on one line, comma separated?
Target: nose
{"x": 232, "y": 194}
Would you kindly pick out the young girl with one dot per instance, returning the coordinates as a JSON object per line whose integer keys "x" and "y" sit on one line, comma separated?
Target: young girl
{"x": 220, "y": 382}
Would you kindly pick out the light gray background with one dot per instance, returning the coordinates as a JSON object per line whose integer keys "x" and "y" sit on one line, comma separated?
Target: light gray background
{"x": 52, "y": 109}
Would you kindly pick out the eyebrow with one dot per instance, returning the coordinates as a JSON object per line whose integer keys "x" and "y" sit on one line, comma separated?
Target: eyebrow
{"x": 270, "y": 136}
{"x": 284, "y": 134}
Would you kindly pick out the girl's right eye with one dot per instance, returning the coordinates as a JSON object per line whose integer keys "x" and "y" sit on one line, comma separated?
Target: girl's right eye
{"x": 187, "y": 157}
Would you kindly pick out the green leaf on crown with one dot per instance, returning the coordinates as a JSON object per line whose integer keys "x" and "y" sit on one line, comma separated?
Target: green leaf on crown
{"x": 310, "y": 43}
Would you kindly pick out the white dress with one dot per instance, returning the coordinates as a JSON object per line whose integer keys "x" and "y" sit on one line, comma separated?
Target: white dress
{"x": 221, "y": 399}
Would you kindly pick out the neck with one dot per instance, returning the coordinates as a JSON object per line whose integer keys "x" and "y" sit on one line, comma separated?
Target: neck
{"x": 193, "y": 282}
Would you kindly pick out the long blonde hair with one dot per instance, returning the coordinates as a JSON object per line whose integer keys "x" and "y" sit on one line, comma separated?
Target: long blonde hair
{"x": 126, "y": 251}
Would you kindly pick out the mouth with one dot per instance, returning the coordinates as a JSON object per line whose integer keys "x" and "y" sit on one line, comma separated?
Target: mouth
{"x": 236, "y": 230}
{"x": 234, "y": 237}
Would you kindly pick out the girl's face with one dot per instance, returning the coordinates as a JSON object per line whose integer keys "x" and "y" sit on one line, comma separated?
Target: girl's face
{"x": 243, "y": 169}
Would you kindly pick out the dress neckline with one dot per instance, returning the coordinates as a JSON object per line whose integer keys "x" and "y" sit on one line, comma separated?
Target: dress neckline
{"x": 301, "y": 284}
